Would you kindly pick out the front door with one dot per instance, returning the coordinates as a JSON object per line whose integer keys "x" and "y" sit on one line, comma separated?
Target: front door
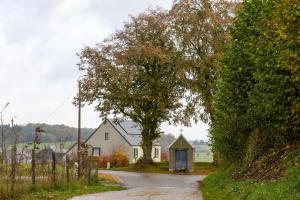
{"x": 180, "y": 159}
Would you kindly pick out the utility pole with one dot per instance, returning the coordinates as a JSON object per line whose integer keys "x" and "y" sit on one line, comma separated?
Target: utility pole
{"x": 13, "y": 157}
{"x": 79, "y": 131}
{"x": 3, "y": 148}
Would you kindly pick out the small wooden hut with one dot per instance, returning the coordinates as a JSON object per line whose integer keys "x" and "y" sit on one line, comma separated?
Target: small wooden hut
{"x": 181, "y": 155}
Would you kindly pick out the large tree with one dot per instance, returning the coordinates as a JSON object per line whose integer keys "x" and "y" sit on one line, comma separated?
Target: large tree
{"x": 201, "y": 29}
{"x": 135, "y": 73}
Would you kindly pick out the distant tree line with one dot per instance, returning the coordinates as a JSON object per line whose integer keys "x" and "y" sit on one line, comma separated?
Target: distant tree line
{"x": 64, "y": 133}
{"x": 53, "y": 133}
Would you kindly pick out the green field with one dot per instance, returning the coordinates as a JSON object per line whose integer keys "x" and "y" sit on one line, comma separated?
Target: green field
{"x": 203, "y": 153}
{"x": 65, "y": 145}
{"x": 205, "y": 157}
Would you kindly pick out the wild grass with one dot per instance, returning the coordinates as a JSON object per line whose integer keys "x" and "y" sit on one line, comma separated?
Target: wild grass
{"x": 221, "y": 186}
{"x": 67, "y": 191}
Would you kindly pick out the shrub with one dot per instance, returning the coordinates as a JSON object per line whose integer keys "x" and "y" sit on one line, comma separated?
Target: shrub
{"x": 102, "y": 161}
{"x": 164, "y": 156}
{"x": 117, "y": 159}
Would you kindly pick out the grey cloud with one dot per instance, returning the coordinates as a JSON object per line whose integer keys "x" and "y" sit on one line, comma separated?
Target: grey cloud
{"x": 38, "y": 43}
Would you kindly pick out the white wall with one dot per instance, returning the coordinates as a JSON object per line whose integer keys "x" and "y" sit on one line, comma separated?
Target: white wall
{"x": 140, "y": 154}
{"x": 114, "y": 143}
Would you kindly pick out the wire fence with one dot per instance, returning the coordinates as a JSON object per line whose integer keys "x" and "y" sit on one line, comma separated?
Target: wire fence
{"x": 27, "y": 171}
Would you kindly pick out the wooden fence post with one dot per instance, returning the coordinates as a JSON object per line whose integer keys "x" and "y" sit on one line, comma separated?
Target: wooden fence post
{"x": 89, "y": 171}
{"x": 67, "y": 168}
{"x": 33, "y": 165}
{"x": 53, "y": 168}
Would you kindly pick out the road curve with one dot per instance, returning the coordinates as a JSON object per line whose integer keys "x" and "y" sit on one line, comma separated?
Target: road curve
{"x": 146, "y": 186}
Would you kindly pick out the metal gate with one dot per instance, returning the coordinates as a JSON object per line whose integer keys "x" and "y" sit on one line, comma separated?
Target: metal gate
{"x": 180, "y": 159}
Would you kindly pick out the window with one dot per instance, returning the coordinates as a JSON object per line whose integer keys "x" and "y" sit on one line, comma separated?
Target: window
{"x": 96, "y": 151}
{"x": 135, "y": 152}
{"x": 156, "y": 152}
{"x": 106, "y": 136}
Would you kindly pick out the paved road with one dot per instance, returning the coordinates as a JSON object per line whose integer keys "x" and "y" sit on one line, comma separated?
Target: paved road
{"x": 143, "y": 186}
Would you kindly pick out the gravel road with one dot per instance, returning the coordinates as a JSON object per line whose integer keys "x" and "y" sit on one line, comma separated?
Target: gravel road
{"x": 144, "y": 186}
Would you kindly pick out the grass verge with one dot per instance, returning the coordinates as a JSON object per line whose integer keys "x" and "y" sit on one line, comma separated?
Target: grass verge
{"x": 163, "y": 168}
{"x": 221, "y": 186}
{"x": 67, "y": 191}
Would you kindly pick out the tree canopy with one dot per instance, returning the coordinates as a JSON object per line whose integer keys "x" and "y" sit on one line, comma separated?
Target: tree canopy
{"x": 201, "y": 29}
{"x": 135, "y": 73}
{"x": 162, "y": 66}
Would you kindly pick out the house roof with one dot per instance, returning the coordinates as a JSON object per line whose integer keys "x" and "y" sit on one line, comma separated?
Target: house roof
{"x": 44, "y": 153}
{"x": 128, "y": 129}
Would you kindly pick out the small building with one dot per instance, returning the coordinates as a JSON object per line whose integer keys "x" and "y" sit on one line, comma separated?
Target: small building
{"x": 44, "y": 156}
{"x": 111, "y": 136}
{"x": 181, "y": 155}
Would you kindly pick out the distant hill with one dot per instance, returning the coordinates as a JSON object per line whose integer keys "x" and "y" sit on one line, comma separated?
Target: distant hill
{"x": 53, "y": 133}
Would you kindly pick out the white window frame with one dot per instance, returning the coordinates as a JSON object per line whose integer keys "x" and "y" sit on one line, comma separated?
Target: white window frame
{"x": 135, "y": 152}
{"x": 106, "y": 136}
{"x": 96, "y": 148}
{"x": 156, "y": 152}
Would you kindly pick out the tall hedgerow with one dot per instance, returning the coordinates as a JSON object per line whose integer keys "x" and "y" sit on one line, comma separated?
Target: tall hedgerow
{"x": 257, "y": 103}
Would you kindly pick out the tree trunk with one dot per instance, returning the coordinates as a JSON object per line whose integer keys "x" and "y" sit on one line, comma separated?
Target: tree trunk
{"x": 150, "y": 133}
{"x": 147, "y": 152}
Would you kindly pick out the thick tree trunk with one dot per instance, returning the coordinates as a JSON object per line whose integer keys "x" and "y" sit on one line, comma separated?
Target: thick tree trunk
{"x": 147, "y": 152}
{"x": 149, "y": 133}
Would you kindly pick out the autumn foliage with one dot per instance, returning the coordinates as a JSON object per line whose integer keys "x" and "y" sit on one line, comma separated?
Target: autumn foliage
{"x": 116, "y": 159}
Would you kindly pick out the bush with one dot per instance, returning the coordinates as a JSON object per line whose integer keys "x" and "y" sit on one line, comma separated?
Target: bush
{"x": 164, "y": 156}
{"x": 117, "y": 159}
{"x": 102, "y": 161}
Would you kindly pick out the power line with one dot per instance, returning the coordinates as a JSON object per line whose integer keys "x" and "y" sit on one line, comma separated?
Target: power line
{"x": 58, "y": 107}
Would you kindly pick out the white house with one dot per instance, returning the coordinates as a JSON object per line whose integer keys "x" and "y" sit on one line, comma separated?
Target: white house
{"x": 115, "y": 136}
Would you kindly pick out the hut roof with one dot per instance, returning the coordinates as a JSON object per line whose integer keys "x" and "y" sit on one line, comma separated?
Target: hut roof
{"x": 179, "y": 138}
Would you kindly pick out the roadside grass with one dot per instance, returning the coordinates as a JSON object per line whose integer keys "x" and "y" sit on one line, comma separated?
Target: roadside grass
{"x": 110, "y": 179}
{"x": 67, "y": 191}
{"x": 221, "y": 186}
{"x": 163, "y": 168}
{"x": 46, "y": 189}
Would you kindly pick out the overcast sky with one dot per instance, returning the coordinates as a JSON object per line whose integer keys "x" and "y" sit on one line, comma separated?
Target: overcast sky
{"x": 38, "y": 44}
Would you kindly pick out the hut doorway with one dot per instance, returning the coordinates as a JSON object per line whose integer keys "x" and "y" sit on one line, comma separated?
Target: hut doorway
{"x": 180, "y": 160}
{"x": 181, "y": 155}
